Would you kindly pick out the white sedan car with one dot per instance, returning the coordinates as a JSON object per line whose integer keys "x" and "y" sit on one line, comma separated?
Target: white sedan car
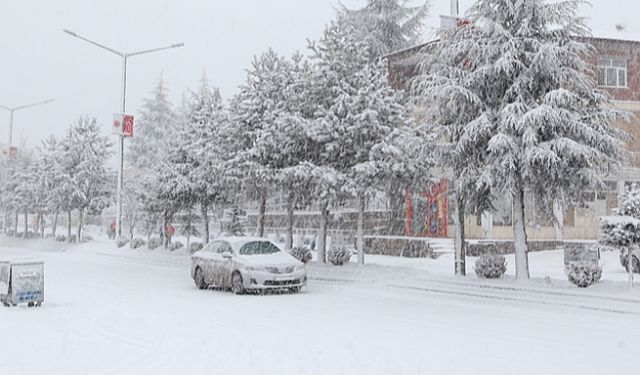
{"x": 242, "y": 263}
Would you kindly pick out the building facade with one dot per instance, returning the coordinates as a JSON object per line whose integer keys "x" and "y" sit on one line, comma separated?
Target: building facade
{"x": 617, "y": 68}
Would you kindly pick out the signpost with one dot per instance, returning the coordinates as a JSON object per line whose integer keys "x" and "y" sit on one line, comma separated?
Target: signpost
{"x": 127, "y": 128}
{"x": 123, "y": 125}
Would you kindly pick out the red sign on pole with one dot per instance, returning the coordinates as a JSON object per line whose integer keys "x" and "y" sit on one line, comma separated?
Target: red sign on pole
{"x": 123, "y": 124}
{"x": 127, "y": 128}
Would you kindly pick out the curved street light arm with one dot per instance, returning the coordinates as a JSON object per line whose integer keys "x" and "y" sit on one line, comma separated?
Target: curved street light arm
{"x": 73, "y": 34}
{"x": 154, "y": 50}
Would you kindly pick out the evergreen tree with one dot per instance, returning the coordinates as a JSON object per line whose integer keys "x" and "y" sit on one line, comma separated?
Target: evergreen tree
{"x": 154, "y": 129}
{"x": 201, "y": 138}
{"x": 255, "y": 111}
{"x": 88, "y": 151}
{"x": 387, "y": 25}
{"x": 359, "y": 123}
{"x": 515, "y": 96}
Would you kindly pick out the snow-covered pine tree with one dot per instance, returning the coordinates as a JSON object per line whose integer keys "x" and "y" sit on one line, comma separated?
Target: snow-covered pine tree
{"x": 514, "y": 93}
{"x": 339, "y": 57}
{"x": 255, "y": 110}
{"x": 88, "y": 152}
{"x": 171, "y": 187}
{"x": 387, "y": 25}
{"x": 50, "y": 154}
{"x": 617, "y": 234}
{"x": 4, "y": 182}
{"x": 360, "y": 119}
{"x": 24, "y": 193}
{"x": 281, "y": 141}
{"x": 203, "y": 122}
{"x": 154, "y": 129}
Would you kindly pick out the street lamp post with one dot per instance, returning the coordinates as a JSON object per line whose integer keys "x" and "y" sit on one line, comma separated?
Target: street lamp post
{"x": 10, "y": 145}
{"x": 11, "y": 111}
{"x": 125, "y": 56}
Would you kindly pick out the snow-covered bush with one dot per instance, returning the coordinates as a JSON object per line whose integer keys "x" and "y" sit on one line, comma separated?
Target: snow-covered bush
{"x": 136, "y": 243}
{"x": 122, "y": 242}
{"x": 175, "y": 245}
{"x": 302, "y": 254}
{"x": 583, "y": 274}
{"x": 86, "y": 238}
{"x": 339, "y": 256}
{"x": 195, "y": 246}
{"x": 61, "y": 238}
{"x": 71, "y": 239}
{"x": 490, "y": 266}
{"x": 32, "y": 235}
{"x": 154, "y": 243}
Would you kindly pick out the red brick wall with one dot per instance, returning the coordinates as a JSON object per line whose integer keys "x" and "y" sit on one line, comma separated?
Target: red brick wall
{"x": 628, "y": 50}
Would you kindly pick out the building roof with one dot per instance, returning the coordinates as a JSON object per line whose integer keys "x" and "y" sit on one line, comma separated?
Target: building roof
{"x": 622, "y": 36}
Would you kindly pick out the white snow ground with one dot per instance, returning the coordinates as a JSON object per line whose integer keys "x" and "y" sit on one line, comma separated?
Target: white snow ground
{"x": 117, "y": 311}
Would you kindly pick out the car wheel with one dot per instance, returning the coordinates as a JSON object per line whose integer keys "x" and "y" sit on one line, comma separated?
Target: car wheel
{"x": 237, "y": 286}
{"x": 199, "y": 279}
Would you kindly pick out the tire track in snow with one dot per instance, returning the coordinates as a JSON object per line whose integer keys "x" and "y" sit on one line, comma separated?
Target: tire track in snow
{"x": 497, "y": 297}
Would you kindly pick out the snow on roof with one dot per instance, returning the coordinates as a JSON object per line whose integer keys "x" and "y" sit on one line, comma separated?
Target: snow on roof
{"x": 619, "y": 220}
{"x": 616, "y": 35}
{"x": 22, "y": 260}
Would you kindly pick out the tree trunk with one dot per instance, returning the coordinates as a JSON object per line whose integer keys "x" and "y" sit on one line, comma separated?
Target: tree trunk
{"x": 360, "y": 233}
{"x": 458, "y": 236}
{"x": 15, "y": 225}
{"x": 69, "y": 226}
{"x": 322, "y": 240}
{"x": 204, "y": 209}
{"x": 520, "y": 233}
{"x": 262, "y": 214}
{"x": 290, "y": 218}
{"x": 41, "y": 222}
{"x": 26, "y": 223}
{"x": 165, "y": 237}
{"x": 396, "y": 198}
{"x": 558, "y": 220}
{"x": 80, "y": 219}
{"x": 54, "y": 226}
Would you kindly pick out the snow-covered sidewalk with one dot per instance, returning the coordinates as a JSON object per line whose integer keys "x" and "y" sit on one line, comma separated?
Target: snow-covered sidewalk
{"x": 119, "y": 311}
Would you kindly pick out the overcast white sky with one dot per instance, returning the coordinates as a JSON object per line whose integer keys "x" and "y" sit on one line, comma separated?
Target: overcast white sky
{"x": 39, "y": 61}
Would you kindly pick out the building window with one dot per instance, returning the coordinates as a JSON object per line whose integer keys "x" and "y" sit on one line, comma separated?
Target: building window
{"x": 612, "y": 72}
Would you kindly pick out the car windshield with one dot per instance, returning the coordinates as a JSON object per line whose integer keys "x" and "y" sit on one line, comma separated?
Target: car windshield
{"x": 258, "y": 248}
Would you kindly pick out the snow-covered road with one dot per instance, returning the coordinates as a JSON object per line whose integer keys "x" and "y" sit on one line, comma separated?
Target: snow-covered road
{"x": 110, "y": 311}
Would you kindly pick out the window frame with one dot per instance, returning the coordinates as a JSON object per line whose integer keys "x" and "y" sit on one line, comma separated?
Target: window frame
{"x": 603, "y": 70}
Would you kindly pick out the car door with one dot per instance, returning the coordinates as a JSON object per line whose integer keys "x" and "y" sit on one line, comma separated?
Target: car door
{"x": 209, "y": 260}
{"x": 224, "y": 264}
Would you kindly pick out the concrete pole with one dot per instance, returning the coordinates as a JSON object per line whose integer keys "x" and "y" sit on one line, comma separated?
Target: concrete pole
{"x": 121, "y": 151}
{"x": 10, "y": 132}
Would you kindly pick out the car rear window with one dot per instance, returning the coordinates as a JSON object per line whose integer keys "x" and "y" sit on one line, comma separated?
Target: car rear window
{"x": 258, "y": 248}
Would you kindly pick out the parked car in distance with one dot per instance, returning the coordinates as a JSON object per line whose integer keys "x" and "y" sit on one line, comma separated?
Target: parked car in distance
{"x": 246, "y": 264}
